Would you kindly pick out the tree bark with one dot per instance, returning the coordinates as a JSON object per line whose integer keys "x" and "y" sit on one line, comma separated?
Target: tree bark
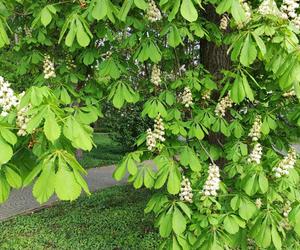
{"x": 213, "y": 57}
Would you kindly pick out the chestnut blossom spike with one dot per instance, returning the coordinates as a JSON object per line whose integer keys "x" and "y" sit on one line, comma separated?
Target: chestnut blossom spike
{"x": 212, "y": 183}
{"x": 256, "y": 154}
{"x": 288, "y": 9}
{"x": 157, "y": 135}
{"x": 255, "y": 131}
{"x": 290, "y": 93}
{"x": 186, "y": 97}
{"x": 155, "y": 75}
{"x": 286, "y": 209}
{"x": 224, "y": 104}
{"x": 286, "y": 164}
{"x": 22, "y": 121}
{"x": 224, "y": 22}
{"x": 8, "y": 99}
{"x": 186, "y": 192}
{"x": 153, "y": 12}
{"x": 49, "y": 70}
{"x": 269, "y": 7}
{"x": 159, "y": 129}
{"x": 258, "y": 203}
{"x": 248, "y": 12}
{"x": 150, "y": 140}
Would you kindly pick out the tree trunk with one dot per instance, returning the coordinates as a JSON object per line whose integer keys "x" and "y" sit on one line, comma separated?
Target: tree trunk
{"x": 213, "y": 57}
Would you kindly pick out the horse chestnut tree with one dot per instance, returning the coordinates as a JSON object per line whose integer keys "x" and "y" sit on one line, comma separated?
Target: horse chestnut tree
{"x": 219, "y": 78}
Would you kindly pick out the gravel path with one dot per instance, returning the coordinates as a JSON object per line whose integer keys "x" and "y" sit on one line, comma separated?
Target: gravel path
{"x": 21, "y": 201}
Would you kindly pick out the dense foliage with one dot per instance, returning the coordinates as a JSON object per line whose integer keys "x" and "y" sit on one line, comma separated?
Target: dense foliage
{"x": 110, "y": 219}
{"x": 220, "y": 139}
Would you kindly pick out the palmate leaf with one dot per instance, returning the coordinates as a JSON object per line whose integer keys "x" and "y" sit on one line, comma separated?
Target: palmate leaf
{"x": 66, "y": 185}
{"x": 79, "y": 134}
{"x": 188, "y": 10}
{"x": 43, "y": 188}
{"x": 60, "y": 173}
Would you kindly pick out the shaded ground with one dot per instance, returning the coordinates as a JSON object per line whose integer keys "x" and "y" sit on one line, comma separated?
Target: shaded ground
{"x": 111, "y": 219}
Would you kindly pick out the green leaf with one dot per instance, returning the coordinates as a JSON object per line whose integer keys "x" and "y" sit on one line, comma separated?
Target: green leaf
{"x": 4, "y": 189}
{"x": 246, "y": 209}
{"x": 43, "y": 188}
{"x": 141, "y": 4}
{"x": 12, "y": 177}
{"x": 51, "y": 128}
{"x": 66, "y": 186}
{"x": 263, "y": 183}
{"x": 6, "y": 152}
{"x": 230, "y": 225}
{"x": 71, "y": 34}
{"x": 247, "y": 88}
{"x": 224, "y": 6}
{"x": 165, "y": 226}
{"x": 46, "y": 16}
{"x": 82, "y": 37}
{"x": 188, "y": 10}
{"x": 100, "y": 9}
{"x": 174, "y": 38}
{"x": 276, "y": 238}
{"x": 178, "y": 221}
{"x": 248, "y": 52}
{"x": 173, "y": 185}
{"x": 237, "y": 93}
{"x": 237, "y": 11}
{"x": 8, "y": 136}
{"x": 125, "y": 9}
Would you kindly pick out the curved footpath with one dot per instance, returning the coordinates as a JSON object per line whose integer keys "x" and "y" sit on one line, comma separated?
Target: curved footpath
{"x": 21, "y": 201}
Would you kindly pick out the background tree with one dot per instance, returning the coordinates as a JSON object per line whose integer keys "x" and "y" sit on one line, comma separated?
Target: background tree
{"x": 219, "y": 79}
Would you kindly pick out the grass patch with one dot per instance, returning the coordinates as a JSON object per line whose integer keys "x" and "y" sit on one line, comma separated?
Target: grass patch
{"x": 112, "y": 219}
{"x": 107, "y": 152}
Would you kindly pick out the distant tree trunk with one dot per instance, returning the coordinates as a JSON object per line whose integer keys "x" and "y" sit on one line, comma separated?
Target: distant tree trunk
{"x": 213, "y": 57}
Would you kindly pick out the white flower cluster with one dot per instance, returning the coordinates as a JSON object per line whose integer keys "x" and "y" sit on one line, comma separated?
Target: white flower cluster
{"x": 285, "y": 224}
{"x": 70, "y": 62}
{"x": 153, "y": 13}
{"x": 186, "y": 97}
{"x": 49, "y": 71}
{"x": 8, "y": 99}
{"x": 255, "y": 131}
{"x": 223, "y": 105}
{"x": 224, "y": 22}
{"x": 288, "y": 9}
{"x": 286, "y": 209}
{"x": 256, "y": 154}
{"x": 287, "y": 163}
{"x": 289, "y": 94}
{"x": 156, "y": 135}
{"x": 155, "y": 75}
{"x": 206, "y": 95}
{"x": 296, "y": 22}
{"x": 186, "y": 192}
{"x": 22, "y": 120}
{"x": 269, "y": 7}
{"x": 247, "y": 9}
{"x": 212, "y": 184}
{"x": 258, "y": 203}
